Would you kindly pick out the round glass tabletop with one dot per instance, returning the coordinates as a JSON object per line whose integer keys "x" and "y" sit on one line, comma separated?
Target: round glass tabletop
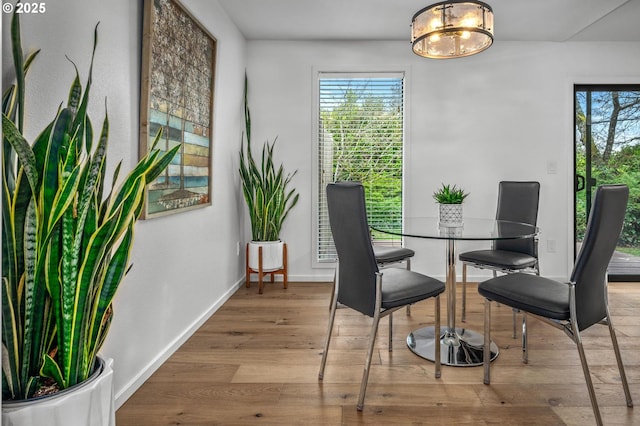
{"x": 472, "y": 229}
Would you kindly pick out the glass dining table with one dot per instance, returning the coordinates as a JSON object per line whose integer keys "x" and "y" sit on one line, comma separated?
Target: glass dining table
{"x": 459, "y": 346}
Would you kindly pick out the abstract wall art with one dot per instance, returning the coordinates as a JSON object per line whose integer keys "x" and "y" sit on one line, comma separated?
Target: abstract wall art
{"x": 177, "y": 82}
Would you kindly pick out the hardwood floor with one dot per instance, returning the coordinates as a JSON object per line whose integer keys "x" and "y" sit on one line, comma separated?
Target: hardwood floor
{"x": 256, "y": 361}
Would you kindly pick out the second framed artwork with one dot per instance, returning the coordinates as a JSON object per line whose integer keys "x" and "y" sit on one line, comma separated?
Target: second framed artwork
{"x": 177, "y": 81}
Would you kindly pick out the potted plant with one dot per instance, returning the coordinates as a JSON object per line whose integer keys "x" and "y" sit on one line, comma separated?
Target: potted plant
{"x": 265, "y": 189}
{"x": 65, "y": 251}
{"x": 449, "y": 199}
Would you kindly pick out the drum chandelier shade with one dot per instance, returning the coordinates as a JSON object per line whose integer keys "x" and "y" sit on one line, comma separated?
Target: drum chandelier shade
{"x": 452, "y": 29}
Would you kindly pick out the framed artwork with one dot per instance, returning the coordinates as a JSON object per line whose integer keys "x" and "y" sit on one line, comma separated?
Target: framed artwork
{"x": 178, "y": 71}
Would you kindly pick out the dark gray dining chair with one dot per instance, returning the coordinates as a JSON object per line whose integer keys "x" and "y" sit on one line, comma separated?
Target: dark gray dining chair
{"x": 575, "y": 306}
{"x": 360, "y": 284}
{"x": 388, "y": 256}
{"x": 517, "y": 202}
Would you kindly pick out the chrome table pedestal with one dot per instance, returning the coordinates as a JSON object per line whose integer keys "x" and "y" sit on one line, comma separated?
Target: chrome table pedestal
{"x": 458, "y": 346}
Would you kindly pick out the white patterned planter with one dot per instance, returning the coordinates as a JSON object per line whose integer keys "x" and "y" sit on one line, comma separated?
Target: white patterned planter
{"x": 450, "y": 215}
{"x": 272, "y": 258}
{"x": 88, "y": 403}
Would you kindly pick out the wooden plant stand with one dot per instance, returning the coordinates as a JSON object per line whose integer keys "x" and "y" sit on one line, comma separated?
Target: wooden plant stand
{"x": 261, "y": 274}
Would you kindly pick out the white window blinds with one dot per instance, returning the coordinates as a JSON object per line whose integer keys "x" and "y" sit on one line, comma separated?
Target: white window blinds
{"x": 360, "y": 138}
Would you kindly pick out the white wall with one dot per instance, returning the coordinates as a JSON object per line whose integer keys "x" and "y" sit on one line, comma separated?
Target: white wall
{"x": 184, "y": 265}
{"x": 505, "y": 114}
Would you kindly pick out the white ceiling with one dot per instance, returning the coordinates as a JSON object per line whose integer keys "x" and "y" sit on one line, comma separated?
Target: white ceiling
{"x": 515, "y": 20}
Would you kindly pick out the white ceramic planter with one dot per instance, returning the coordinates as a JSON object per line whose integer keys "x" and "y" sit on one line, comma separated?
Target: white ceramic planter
{"x": 450, "y": 215}
{"x": 88, "y": 403}
{"x": 272, "y": 258}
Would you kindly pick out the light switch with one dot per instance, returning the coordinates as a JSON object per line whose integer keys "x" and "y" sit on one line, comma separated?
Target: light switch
{"x": 551, "y": 246}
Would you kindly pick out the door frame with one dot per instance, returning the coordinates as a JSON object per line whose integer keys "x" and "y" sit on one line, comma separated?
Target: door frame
{"x": 588, "y": 181}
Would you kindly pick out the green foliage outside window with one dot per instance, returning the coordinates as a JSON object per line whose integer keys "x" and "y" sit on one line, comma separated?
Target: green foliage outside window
{"x": 622, "y": 167}
{"x": 364, "y": 131}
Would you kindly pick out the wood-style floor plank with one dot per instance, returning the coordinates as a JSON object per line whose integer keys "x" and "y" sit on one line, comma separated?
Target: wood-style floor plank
{"x": 256, "y": 361}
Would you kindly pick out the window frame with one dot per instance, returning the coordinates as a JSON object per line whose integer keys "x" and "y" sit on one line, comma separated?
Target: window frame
{"x": 318, "y": 75}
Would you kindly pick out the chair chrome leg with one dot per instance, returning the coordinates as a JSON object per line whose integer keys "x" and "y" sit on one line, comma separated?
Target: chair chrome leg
{"x": 367, "y": 364}
{"x": 514, "y": 323}
{"x": 333, "y": 289}
{"x": 332, "y": 315}
{"x": 326, "y": 343}
{"x": 495, "y": 275}
{"x": 436, "y": 334}
{"x": 524, "y": 321}
{"x": 391, "y": 332}
{"x": 464, "y": 293}
{"x": 587, "y": 374}
{"x": 408, "y": 266}
{"x": 525, "y": 353}
{"x": 486, "y": 357}
{"x": 616, "y": 349}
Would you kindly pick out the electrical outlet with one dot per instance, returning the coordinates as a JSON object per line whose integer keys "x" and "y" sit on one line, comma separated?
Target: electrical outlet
{"x": 237, "y": 248}
{"x": 551, "y": 246}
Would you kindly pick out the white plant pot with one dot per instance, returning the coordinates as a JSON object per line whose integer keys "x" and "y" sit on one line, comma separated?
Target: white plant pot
{"x": 88, "y": 403}
{"x": 272, "y": 257}
{"x": 450, "y": 215}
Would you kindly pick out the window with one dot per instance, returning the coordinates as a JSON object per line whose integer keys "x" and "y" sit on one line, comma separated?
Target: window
{"x": 360, "y": 138}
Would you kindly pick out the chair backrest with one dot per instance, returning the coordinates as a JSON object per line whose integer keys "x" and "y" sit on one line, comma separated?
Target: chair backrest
{"x": 357, "y": 262}
{"x": 600, "y": 240}
{"x": 518, "y": 202}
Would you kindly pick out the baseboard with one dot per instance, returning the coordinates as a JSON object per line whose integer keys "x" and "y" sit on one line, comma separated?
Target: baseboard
{"x": 129, "y": 389}
{"x": 328, "y": 277}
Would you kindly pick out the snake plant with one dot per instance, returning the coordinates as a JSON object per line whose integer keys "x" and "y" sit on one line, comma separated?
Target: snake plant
{"x": 264, "y": 187}
{"x": 65, "y": 245}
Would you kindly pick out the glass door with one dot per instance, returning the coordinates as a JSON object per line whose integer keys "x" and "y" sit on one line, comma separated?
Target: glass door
{"x": 607, "y": 150}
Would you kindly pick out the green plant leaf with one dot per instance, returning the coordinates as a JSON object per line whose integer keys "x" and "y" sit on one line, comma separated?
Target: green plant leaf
{"x": 162, "y": 163}
{"x": 22, "y": 149}
{"x": 35, "y": 302}
{"x": 18, "y": 62}
{"x": 448, "y": 194}
{"x": 115, "y": 271}
{"x": 50, "y": 368}
{"x": 11, "y": 350}
{"x": 57, "y": 145}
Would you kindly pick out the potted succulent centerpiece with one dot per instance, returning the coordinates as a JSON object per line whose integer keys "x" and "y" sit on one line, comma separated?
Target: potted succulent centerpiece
{"x": 66, "y": 245}
{"x": 269, "y": 200}
{"x": 449, "y": 199}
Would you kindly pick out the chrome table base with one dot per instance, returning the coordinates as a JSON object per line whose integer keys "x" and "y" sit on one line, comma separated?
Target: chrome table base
{"x": 462, "y": 349}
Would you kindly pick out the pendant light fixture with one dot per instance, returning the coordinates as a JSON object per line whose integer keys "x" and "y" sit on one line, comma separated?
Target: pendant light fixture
{"x": 452, "y": 29}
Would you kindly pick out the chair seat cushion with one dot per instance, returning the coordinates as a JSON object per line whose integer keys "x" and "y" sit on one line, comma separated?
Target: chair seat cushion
{"x": 499, "y": 259}
{"x": 529, "y": 293}
{"x": 391, "y": 254}
{"x": 402, "y": 287}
